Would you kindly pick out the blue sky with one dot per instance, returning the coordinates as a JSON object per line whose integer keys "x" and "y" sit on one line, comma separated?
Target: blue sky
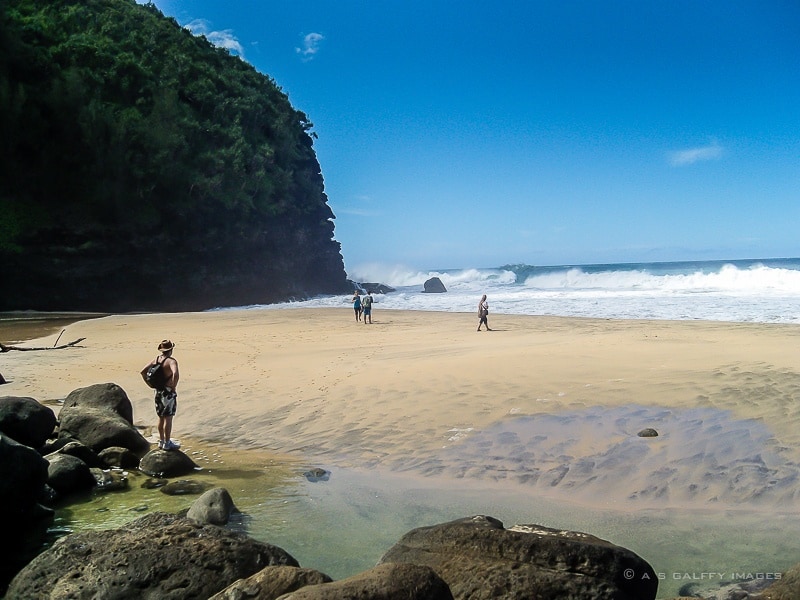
{"x": 456, "y": 134}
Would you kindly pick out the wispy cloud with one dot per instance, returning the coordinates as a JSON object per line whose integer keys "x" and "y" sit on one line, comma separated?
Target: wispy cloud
{"x": 358, "y": 212}
{"x": 311, "y": 44}
{"x": 360, "y": 207}
{"x": 690, "y": 156}
{"x": 221, "y": 39}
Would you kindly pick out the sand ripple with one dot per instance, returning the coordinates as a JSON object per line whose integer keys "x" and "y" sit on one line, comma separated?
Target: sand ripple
{"x": 702, "y": 456}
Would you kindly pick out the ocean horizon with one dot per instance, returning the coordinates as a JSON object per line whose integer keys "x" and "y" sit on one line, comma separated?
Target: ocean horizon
{"x": 744, "y": 290}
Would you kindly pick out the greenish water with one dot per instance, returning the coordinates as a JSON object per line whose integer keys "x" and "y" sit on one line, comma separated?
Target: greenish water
{"x": 343, "y": 525}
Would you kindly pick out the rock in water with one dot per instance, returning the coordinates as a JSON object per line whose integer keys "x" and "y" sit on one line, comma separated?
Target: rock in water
{"x": 384, "y": 582}
{"x": 477, "y": 556}
{"x": 214, "y": 506}
{"x": 271, "y": 582}
{"x": 166, "y": 463}
{"x": 68, "y": 474}
{"x": 157, "y": 556}
{"x": 434, "y": 285}
{"x": 185, "y": 487}
{"x": 317, "y": 474}
{"x": 648, "y": 432}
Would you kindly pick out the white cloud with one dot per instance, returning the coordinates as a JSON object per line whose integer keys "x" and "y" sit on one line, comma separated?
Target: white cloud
{"x": 693, "y": 155}
{"x": 311, "y": 43}
{"x": 357, "y": 212}
{"x": 220, "y": 39}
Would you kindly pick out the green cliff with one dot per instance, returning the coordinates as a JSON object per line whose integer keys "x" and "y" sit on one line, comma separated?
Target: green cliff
{"x": 141, "y": 168}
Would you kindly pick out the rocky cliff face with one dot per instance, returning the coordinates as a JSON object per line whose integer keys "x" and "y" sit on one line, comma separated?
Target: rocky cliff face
{"x": 288, "y": 260}
{"x": 143, "y": 169}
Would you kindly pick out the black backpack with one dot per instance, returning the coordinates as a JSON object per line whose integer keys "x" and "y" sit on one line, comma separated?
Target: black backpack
{"x": 155, "y": 376}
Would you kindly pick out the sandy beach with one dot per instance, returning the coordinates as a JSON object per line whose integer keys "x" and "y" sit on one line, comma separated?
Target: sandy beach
{"x": 420, "y": 419}
{"x": 549, "y": 403}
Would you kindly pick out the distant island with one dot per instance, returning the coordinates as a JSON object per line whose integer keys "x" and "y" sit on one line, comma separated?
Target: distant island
{"x": 143, "y": 169}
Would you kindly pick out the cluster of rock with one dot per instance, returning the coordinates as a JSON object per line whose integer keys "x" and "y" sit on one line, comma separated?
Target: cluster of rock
{"x": 162, "y": 555}
{"x": 370, "y": 287}
{"x": 476, "y": 558}
{"x": 433, "y": 285}
{"x": 45, "y": 459}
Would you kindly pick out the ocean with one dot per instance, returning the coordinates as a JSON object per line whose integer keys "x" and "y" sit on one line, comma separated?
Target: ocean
{"x": 755, "y": 290}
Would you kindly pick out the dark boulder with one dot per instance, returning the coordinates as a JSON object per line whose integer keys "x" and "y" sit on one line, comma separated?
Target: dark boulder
{"x": 185, "y": 487}
{"x": 377, "y": 288}
{"x": 477, "y": 557}
{"x": 317, "y": 474}
{"x": 68, "y": 475}
{"x": 434, "y": 285}
{"x": 214, "y": 507}
{"x": 156, "y": 556}
{"x": 26, "y": 420}
{"x": 23, "y": 475}
{"x": 153, "y": 483}
{"x": 23, "y": 478}
{"x": 100, "y": 428}
{"x": 116, "y": 456}
{"x": 110, "y": 480}
{"x": 106, "y": 396}
{"x": 81, "y": 451}
{"x": 54, "y": 445}
{"x": 648, "y": 432}
{"x": 166, "y": 463}
{"x": 271, "y": 582}
{"x": 24, "y": 536}
{"x": 384, "y": 582}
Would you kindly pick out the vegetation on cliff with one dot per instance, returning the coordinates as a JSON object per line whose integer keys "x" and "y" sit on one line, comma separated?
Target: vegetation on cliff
{"x": 141, "y": 168}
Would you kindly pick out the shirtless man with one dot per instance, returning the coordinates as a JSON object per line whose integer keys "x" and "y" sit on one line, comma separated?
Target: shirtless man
{"x": 166, "y": 398}
{"x": 483, "y": 313}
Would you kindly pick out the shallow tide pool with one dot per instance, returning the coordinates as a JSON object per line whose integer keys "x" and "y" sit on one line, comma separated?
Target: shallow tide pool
{"x": 342, "y": 524}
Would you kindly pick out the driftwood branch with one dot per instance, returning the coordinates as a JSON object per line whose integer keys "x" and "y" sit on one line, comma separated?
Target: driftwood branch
{"x": 4, "y": 348}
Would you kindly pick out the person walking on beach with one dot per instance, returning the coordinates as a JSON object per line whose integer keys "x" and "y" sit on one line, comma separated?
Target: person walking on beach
{"x": 366, "y": 304}
{"x": 166, "y": 393}
{"x": 483, "y": 313}
{"x": 357, "y": 305}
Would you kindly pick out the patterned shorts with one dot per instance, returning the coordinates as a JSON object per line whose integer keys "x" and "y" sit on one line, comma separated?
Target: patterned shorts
{"x": 166, "y": 403}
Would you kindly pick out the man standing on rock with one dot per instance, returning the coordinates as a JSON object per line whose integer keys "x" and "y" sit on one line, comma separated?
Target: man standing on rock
{"x": 165, "y": 382}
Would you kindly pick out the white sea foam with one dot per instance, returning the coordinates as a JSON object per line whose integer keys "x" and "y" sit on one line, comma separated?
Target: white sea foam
{"x": 766, "y": 291}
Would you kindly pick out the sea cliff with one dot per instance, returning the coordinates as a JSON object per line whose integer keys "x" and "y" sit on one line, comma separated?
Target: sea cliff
{"x": 144, "y": 169}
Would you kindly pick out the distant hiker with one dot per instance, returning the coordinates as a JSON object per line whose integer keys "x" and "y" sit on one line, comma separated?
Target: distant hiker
{"x": 357, "y": 305}
{"x": 162, "y": 374}
{"x": 483, "y": 313}
{"x": 366, "y": 304}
